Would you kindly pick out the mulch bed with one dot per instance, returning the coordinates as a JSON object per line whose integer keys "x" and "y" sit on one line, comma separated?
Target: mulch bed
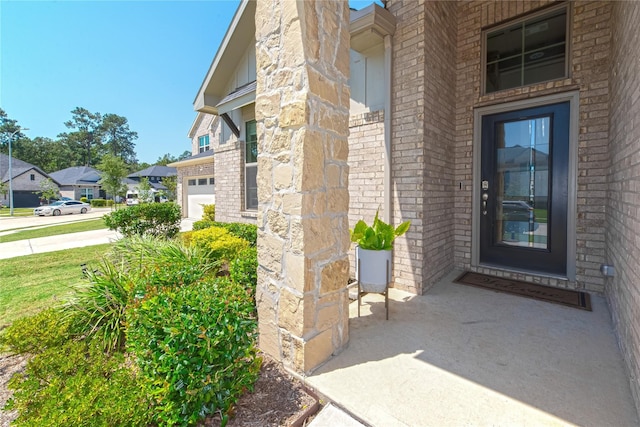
{"x": 278, "y": 398}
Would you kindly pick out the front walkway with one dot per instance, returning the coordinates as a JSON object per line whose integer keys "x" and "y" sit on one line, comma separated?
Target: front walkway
{"x": 463, "y": 356}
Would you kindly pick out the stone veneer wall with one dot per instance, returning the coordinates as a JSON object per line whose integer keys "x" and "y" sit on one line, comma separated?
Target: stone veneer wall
{"x": 589, "y": 74}
{"x": 302, "y": 112}
{"x": 423, "y": 140}
{"x": 366, "y": 169}
{"x": 623, "y": 208}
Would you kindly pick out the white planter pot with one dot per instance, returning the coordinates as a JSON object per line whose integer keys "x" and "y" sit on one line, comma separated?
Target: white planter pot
{"x": 371, "y": 269}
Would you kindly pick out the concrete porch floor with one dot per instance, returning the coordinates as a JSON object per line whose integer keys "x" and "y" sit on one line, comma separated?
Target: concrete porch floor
{"x": 463, "y": 356}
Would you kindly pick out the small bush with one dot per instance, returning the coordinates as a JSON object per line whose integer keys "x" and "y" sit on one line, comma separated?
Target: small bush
{"x": 196, "y": 345}
{"x": 153, "y": 219}
{"x": 77, "y": 384}
{"x": 220, "y": 244}
{"x": 203, "y": 223}
{"x": 248, "y": 232}
{"x": 99, "y": 203}
{"x": 84, "y": 199}
{"x": 34, "y": 334}
{"x": 209, "y": 212}
{"x": 244, "y": 269}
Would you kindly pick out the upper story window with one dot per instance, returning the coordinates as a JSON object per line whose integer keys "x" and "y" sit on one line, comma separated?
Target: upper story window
{"x": 530, "y": 50}
{"x": 203, "y": 143}
{"x": 32, "y": 177}
{"x": 251, "y": 166}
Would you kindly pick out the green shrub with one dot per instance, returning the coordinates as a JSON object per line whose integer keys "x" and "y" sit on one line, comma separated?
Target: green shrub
{"x": 34, "y": 334}
{"x": 248, "y": 232}
{"x": 219, "y": 242}
{"x": 134, "y": 267}
{"x": 84, "y": 199}
{"x": 196, "y": 345}
{"x": 244, "y": 269}
{"x": 154, "y": 219}
{"x": 204, "y": 223}
{"x": 99, "y": 203}
{"x": 77, "y": 384}
{"x": 209, "y": 212}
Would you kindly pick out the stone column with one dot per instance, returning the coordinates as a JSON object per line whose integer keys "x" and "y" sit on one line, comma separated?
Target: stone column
{"x": 302, "y": 110}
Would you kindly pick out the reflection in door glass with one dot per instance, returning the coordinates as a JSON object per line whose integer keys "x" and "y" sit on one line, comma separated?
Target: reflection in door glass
{"x": 522, "y": 189}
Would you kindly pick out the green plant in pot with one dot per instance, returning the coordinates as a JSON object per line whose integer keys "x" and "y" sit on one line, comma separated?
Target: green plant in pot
{"x": 373, "y": 252}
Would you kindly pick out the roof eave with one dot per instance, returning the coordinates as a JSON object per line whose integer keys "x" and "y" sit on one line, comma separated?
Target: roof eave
{"x": 369, "y": 26}
{"x": 229, "y": 53}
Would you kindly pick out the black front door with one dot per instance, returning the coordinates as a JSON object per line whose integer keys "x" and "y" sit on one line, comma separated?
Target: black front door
{"x": 524, "y": 189}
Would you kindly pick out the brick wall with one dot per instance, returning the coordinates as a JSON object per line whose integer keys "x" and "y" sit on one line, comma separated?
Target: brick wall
{"x": 229, "y": 182}
{"x": 229, "y": 167}
{"x": 423, "y": 140}
{"x": 623, "y": 208}
{"x": 366, "y": 169}
{"x": 589, "y": 75}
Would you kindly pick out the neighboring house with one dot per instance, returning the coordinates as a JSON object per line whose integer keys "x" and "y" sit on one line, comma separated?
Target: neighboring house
{"x": 25, "y": 182}
{"x": 196, "y": 180}
{"x": 79, "y": 181}
{"x": 154, "y": 174}
{"x": 441, "y": 91}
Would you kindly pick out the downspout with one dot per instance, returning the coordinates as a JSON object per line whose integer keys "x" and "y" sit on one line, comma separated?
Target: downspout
{"x": 387, "y": 129}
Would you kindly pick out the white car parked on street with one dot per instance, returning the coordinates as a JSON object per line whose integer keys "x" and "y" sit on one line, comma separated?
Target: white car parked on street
{"x": 63, "y": 207}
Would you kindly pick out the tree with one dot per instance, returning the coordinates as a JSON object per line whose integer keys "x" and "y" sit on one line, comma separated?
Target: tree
{"x": 113, "y": 170}
{"x": 144, "y": 190}
{"x": 118, "y": 138}
{"x": 171, "y": 182}
{"x": 48, "y": 190}
{"x": 169, "y": 158}
{"x": 4, "y": 189}
{"x": 7, "y": 128}
{"x": 87, "y": 133}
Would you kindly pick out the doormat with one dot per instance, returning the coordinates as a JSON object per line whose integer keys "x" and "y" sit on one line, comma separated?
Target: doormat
{"x": 566, "y": 297}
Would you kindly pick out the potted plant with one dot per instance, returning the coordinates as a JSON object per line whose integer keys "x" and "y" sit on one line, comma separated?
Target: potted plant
{"x": 373, "y": 252}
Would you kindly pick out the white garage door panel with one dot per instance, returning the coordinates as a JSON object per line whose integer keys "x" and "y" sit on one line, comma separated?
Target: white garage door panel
{"x": 195, "y": 202}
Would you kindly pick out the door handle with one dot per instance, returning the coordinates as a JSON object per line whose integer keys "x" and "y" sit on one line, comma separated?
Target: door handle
{"x": 485, "y": 197}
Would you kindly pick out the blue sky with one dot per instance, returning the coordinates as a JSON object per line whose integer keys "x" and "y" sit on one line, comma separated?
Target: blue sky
{"x": 144, "y": 60}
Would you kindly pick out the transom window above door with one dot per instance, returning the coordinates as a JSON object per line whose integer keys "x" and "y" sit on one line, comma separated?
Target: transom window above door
{"x": 530, "y": 50}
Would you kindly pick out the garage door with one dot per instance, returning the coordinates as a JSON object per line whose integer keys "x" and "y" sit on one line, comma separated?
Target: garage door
{"x": 195, "y": 202}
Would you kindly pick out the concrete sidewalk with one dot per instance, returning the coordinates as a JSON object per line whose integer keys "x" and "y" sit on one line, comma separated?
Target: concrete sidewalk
{"x": 463, "y": 356}
{"x": 67, "y": 241}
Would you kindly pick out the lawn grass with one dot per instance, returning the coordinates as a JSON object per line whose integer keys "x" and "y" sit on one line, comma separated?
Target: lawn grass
{"x": 54, "y": 230}
{"x": 540, "y": 215}
{"x": 31, "y": 283}
{"x": 6, "y": 211}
